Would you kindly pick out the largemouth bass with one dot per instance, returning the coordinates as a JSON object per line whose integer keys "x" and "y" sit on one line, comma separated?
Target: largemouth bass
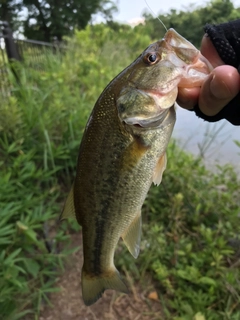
{"x": 122, "y": 153}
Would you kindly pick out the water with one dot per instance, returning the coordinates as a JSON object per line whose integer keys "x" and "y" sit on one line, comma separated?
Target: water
{"x": 213, "y": 141}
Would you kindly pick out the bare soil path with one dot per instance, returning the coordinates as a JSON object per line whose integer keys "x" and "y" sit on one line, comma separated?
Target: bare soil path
{"x": 67, "y": 304}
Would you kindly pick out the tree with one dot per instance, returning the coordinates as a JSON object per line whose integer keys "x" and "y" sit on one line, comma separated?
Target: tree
{"x": 46, "y": 19}
{"x": 9, "y": 11}
{"x": 190, "y": 23}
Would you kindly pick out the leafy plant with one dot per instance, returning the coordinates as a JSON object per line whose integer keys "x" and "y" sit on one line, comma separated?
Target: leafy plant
{"x": 191, "y": 239}
{"x": 190, "y": 242}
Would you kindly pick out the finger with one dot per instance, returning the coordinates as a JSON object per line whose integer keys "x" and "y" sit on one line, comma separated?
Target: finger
{"x": 188, "y": 97}
{"x": 208, "y": 51}
{"x": 219, "y": 89}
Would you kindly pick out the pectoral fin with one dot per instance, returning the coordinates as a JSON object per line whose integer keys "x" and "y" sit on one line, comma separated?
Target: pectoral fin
{"x": 69, "y": 209}
{"x": 132, "y": 236}
{"x": 158, "y": 172}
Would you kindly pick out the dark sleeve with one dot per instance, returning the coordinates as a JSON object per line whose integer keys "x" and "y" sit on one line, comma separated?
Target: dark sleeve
{"x": 226, "y": 40}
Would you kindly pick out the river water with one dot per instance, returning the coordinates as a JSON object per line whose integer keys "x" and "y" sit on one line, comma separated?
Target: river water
{"x": 213, "y": 141}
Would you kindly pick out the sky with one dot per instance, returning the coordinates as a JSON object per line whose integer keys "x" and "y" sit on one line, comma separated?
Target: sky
{"x": 129, "y": 10}
{"x": 132, "y": 9}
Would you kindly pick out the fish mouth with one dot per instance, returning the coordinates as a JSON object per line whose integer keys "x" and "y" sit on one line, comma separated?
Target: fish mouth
{"x": 141, "y": 122}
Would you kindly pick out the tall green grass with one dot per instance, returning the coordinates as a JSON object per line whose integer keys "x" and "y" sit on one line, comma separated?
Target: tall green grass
{"x": 41, "y": 124}
{"x": 191, "y": 240}
{"x": 190, "y": 222}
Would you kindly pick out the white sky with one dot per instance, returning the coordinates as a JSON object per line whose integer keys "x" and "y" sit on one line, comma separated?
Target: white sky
{"x": 131, "y": 9}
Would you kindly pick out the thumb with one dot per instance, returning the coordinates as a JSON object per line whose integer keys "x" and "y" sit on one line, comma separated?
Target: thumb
{"x": 219, "y": 89}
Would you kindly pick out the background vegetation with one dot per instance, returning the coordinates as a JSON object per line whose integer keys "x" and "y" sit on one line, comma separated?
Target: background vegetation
{"x": 190, "y": 23}
{"x": 48, "y": 19}
{"x": 191, "y": 222}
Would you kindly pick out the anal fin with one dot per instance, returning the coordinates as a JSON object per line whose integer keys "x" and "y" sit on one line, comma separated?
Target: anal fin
{"x": 132, "y": 236}
{"x": 160, "y": 167}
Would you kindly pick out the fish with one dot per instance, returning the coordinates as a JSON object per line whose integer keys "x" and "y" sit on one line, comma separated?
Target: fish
{"x": 123, "y": 151}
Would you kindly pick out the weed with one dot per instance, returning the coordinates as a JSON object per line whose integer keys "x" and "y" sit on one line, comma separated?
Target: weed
{"x": 190, "y": 242}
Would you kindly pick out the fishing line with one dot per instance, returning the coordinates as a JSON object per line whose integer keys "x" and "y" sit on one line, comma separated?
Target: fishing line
{"x": 154, "y": 14}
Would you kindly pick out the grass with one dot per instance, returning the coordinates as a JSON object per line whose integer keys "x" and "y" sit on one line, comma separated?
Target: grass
{"x": 190, "y": 237}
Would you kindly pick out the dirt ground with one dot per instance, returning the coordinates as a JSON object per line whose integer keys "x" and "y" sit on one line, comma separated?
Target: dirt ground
{"x": 140, "y": 304}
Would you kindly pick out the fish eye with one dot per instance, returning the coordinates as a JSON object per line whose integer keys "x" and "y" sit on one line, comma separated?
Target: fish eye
{"x": 151, "y": 58}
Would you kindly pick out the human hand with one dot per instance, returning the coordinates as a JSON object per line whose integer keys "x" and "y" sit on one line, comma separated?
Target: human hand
{"x": 220, "y": 87}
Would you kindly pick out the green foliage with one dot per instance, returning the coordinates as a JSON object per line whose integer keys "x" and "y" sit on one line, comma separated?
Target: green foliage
{"x": 44, "y": 20}
{"x": 9, "y": 11}
{"x": 191, "y": 223}
{"x": 66, "y": 90}
{"x": 40, "y": 130}
{"x": 27, "y": 269}
{"x": 191, "y": 240}
{"x": 190, "y": 23}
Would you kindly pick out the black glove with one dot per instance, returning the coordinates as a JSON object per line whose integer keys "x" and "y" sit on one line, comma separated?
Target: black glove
{"x": 226, "y": 40}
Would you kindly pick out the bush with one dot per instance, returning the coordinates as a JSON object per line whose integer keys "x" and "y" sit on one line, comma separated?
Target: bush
{"x": 191, "y": 240}
{"x": 41, "y": 125}
{"x": 27, "y": 209}
{"x": 191, "y": 221}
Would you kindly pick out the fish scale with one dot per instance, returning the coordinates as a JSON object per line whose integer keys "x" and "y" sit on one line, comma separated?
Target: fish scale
{"x": 123, "y": 150}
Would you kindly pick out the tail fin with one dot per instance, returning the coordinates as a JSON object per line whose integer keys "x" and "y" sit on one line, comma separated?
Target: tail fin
{"x": 94, "y": 286}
